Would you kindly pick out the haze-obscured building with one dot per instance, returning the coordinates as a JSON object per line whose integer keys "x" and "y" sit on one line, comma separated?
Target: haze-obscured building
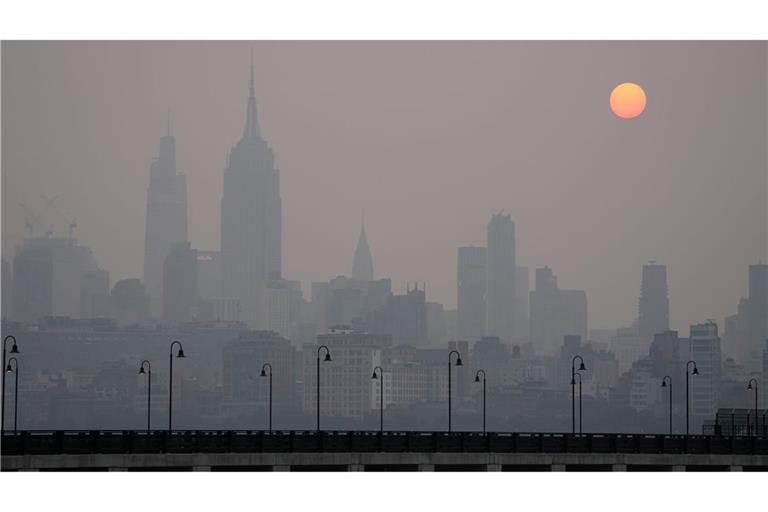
{"x": 242, "y": 361}
{"x": 403, "y": 317}
{"x": 180, "y": 284}
{"x": 500, "y": 278}
{"x": 251, "y": 220}
{"x": 555, "y": 313}
{"x": 705, "y": 387}
{"x": 653, "y": 307}
{"x": 130, "y": 302}
{"x": 470, "y": 311}
{"x": 48, "y": 277}
{"x": 7, "y": 294}
{"x": 166, "y": 221}
{"x": 347, "y": 389}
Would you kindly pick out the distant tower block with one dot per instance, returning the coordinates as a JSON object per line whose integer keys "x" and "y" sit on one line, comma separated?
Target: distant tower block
{"x": 654, "y": 301}
{"x": 500, "y": 280}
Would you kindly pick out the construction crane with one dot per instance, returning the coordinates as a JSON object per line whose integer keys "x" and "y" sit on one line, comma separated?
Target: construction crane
{"x": 30, "y": 218}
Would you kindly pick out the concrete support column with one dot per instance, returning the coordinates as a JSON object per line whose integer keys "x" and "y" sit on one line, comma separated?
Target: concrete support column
{"x": 678, "y": 468}
{"x": 281, "y": 467}
{"x": 558, "y": 467}
{"x": 355, "y": 467}
{"x": 426, "y": 467}
{"x": 201, "y": 468}
{"x": 737, "y": 468}
{"x": 619, "y": 467}
{"x": 493, "y": 467}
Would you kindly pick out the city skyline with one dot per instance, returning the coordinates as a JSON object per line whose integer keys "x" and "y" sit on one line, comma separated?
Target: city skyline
{"x": 337, "y": 241}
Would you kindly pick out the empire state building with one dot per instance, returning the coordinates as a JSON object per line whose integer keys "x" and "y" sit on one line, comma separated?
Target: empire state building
{"x": 251, "y": 220}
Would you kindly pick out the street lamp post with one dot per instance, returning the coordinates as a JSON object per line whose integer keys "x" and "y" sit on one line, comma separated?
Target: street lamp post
{"x": 687, "y": 398}
{"x": 149, "y": 387}
{"x": 14, "y": 369}
{"x": 664, "y": 381}
{"x": 749, "y": 386}
{"x": 14, "y": 350}
{"x": 573, "y": 388}
{"x": 477, "y": 379}
{"x": 458, "y": 363}
{"x": 327, "y": 359}
{"x": 264, "y": 374}
{"x": 381, "y": 396}
{"x": 170, "y": 381}
{"x": 577, "y": 374}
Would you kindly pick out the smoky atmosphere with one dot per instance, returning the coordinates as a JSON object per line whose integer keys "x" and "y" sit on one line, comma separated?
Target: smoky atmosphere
{"x": 356, "y": 236}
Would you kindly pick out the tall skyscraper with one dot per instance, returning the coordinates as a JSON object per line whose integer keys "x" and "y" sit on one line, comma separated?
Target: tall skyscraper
{"x": 362, "y": 265}
{"x": 470, "y": 313}
{"x": 654, "y": 302}
{"x": 500, "y": 280}
{"x": 251, "y": 220}
{"x": 166, "y": 222}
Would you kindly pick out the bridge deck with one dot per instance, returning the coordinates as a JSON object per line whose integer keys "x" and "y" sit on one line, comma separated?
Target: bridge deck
{"x": 241, "y": 441}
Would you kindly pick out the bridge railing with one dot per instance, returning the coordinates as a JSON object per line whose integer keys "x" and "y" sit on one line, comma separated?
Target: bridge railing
{"x": 248, "y": 441}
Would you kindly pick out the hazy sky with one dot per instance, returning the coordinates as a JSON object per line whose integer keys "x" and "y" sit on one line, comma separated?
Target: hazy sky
{"x": 430, "y": 139}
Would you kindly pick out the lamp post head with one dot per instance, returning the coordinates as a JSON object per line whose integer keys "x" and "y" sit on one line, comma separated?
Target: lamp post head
{"x": 141, "y": 370}
{"x": 263, "y": 373}
{"x": 458, "y": 361}
{"x": 181, "y": 353}
{"x": 664, "y": 383}
{"x": 14, "y": 348}
{"x": 477, "y": 378}
{"x": 373, "y": 376}
{"x": 582, "y": 367}
{"x": 695, "y": 371}
{"x": 8, "y": 368}
{"x": 749, "y": 386}
{"x": 327, "y": 357}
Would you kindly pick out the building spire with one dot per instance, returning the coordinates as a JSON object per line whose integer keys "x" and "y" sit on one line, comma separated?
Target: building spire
{"x": 252, "y": 92}
{"x": 362, "y": 265}
{"x": 168, "y": 124}
{"x": 251, "y": 118}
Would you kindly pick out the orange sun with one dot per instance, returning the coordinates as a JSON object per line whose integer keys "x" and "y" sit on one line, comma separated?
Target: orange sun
{"x": 628, "y": 100}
